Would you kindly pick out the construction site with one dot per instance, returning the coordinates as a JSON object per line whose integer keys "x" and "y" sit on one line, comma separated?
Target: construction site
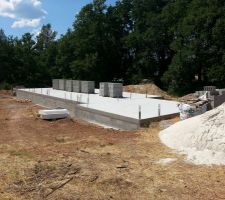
{"x": 108, "y": 106}
{"x": 82, "y": 157}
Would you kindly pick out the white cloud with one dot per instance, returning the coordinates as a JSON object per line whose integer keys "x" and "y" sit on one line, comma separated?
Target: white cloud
{"x": 26, "y": 23}
{"x": 26, "y": 13}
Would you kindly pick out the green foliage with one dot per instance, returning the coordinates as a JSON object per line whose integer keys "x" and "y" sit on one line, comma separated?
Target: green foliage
{"x": 179, "y": 45}
{"x": 5, "y": 86}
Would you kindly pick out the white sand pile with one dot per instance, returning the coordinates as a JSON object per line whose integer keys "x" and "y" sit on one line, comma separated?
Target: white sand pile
{"x": 201, "y": 138}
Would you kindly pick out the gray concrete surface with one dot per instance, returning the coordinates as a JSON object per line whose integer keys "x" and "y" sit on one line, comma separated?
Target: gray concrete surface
{"x": 55, "y": 84}
{"x": 88, "y": 87}
{"x": 62, "y": 84}
{"x": 76, "y": 86}
{"x": 69, "y": 85}
{"x": 104, "y": 89}
{"x": 88, "y": 114}
{"x": 115, "y": 90}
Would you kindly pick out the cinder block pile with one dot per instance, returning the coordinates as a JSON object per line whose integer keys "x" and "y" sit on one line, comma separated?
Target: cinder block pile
{"x": 88, "y": 87}
{"x": 76, "y": 86}
{"x": 115, "y": 90}
{"x": 62, "y": 84}
{"x": 55, "y": 84}
{"x": 69, "y": 86}
{"x": 104, "y": 89}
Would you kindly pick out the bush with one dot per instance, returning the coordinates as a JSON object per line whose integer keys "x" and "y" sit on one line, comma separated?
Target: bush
{"x": 5, "y": 86}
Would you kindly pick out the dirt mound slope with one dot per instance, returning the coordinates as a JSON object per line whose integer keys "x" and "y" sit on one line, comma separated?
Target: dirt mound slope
{"x": 150, "y": 88}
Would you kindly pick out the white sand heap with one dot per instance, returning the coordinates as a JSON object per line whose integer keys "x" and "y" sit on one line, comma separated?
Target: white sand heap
{"x": 201, "y": 138}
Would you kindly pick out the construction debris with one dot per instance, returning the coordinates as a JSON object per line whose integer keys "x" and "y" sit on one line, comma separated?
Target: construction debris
{"x": 54, "y": 114}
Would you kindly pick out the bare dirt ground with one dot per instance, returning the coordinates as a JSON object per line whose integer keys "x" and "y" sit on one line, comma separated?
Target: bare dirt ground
{"x": 71, "y": 160}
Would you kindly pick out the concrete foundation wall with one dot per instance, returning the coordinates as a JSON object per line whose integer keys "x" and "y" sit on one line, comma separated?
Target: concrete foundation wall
{"x": 76, "y": 86}
{"x": 108, "y": 119}
{"x": 88, "y": 114}
{"x": 48, "y": 101}
{"x": 88, "y": 87}
{"x": 69, "y": 85}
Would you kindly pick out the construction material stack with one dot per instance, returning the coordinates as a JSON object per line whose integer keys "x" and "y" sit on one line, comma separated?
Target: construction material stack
{"x": 69, "y": 86}
{"x": 104, "y": 89}
{"x": 115, "y": 90}
{"x": 55, "y": 84}
{"x": 88, "y": 87}
{"x": 76, "y": 86}
{"x": 62, "y": 84}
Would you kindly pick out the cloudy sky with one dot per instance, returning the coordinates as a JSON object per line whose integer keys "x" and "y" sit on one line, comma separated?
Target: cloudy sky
{"x": 20, "y": 16}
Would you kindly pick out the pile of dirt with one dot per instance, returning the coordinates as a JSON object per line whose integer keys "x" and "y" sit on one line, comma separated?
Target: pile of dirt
{"x": 150, "y": 88}
{"x": 188, "y": 97}
{"x": 5, "y": 92}
{"x": 201, "y": 138}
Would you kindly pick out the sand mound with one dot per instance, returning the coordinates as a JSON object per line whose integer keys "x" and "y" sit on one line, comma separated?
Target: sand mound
{"x": 201, "y": 138}
{"x": 150, "y": 88}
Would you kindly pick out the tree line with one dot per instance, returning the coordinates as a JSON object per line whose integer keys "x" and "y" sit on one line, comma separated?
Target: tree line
{"x": 177, "y": 44}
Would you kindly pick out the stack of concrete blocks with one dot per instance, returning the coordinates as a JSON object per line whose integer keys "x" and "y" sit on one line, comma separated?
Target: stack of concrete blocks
{"x": 69, "y": 86}
{"x": 211, "y": 90}
{"x": 104, "y": 89}
{"x": 55, "y": 84}
{"x": 116, "y": 90}
{"x": 88, "y": 87}
{"x": 76, "y": 86}
{"x": 62, "y": 84}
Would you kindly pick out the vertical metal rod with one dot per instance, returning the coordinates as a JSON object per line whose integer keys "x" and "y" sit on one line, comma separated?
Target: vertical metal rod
{"x": 159, "y": 110}
{"x": 139, "y": 112}
{"x": 88, "y": 100}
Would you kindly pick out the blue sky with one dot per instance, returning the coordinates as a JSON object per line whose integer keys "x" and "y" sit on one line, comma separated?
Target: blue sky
{"x": 20, "y": 16}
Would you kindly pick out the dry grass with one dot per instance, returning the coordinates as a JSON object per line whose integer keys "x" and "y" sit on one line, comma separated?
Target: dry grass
{"x": 69, "y": 159}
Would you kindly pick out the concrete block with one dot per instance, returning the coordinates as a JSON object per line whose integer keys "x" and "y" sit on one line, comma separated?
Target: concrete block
{"x": 69, "y": 85}
{"x": 88, "y": 87}
{"x": 62, "y": 84}
{"x": 104, "y": 89}
{"x": 210, "y": 88}
{"x": 55, "y": 84}
{"x": 76, "y": 86}
{"x": 115, "y": 90}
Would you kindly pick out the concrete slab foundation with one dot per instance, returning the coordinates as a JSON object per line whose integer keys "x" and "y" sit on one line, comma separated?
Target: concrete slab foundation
{"x": 116, "y": 113}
